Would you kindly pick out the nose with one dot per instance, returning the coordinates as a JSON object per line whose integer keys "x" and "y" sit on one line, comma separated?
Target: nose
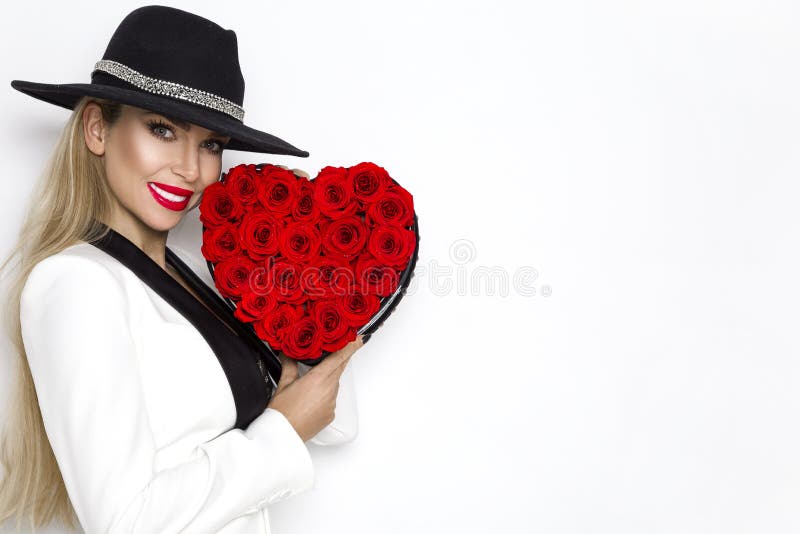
{"x": 189, "y": 164}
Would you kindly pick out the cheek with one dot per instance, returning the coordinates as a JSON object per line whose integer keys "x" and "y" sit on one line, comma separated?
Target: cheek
{"x": 210, "y": 167}
{"x": 210, "y": 170}
{"x": 131, "y": 161}
{"x": 209, "y": 174}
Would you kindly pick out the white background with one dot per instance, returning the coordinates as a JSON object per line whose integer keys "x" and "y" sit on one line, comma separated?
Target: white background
{"x": 642, "y": 157}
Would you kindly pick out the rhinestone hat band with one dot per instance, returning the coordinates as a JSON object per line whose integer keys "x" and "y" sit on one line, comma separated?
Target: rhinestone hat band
{"x": 175, "y": 90}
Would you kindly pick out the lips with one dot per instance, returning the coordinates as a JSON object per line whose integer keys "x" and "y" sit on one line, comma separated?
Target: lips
{"x": 170, "y": 196}
{"x": 174, "y": 189}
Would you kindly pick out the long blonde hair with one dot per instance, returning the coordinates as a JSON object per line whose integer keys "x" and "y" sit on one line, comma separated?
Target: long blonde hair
{"x": 71, "y": 195}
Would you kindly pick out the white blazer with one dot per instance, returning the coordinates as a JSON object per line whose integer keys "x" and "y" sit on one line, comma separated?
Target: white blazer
{"x": 140, "y": 414}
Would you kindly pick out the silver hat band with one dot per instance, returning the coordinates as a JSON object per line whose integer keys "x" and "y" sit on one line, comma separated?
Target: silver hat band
{"x": 175, "y": 90}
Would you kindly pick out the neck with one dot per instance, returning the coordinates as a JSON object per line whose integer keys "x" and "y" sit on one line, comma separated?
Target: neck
{"x": 151, "y": 242}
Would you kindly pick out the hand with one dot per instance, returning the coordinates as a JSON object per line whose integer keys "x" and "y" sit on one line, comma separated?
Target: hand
{"x": 309, "y": 402}
{"x": 297, "y": 172}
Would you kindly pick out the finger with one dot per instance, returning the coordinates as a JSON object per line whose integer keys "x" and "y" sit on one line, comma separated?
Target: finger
{"x": 335, "y": 361}
{"x": 300, "y": 172}
{"x": 289, "y": 371}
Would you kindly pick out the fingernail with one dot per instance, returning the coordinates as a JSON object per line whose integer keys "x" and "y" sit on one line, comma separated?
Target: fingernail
{"x": 366, "y": 338}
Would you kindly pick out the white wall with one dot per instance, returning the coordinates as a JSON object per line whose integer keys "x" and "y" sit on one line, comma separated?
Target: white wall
{"x": 642, "y": 157}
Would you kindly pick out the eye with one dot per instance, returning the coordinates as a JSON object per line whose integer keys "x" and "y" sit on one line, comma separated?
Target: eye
{"x": 220, "y": 144}
{"x": 160, "y": 129}
{"x": 156, "y": 127}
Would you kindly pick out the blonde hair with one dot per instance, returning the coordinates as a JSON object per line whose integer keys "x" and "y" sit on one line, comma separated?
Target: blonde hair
{"x": 71, "y": 196}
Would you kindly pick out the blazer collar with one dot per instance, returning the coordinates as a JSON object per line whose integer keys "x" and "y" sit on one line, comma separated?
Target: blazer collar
{"x": 250, "y": 365}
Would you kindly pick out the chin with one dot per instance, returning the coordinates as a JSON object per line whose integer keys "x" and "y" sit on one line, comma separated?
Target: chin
{"x": 163, "y": 222}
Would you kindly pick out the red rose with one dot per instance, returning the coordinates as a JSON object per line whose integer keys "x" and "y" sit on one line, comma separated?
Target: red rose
{"x": 302, "y": 340}
{"x": 344, "y": 237}
{"x": 332, "y": 192}
{"x": 348, "y": 336}
{"x": 232, "y": 276}
{"x": 336, "y": 332}
{"x": 326, "y": 277}
{"x": 367, "y": 182}
{"x": 328, "y": 315}
{"x": 299, "y": 242}
{"x": 218, "y": 206}
{"x": 254, "y": 306}
{"x": 274, "y": 324}
{"x": 392, "y": 245}
{"x": 233, "y": 171}
{"x": 307, "y": 263}
{"x": 278, "y": 190}
{"x": 220, "y": 243}
{"x": 285, "y": 278}
{"x": 395, "y": 207}
{"x": 259, "y": 234}
{"x": 261, "y": 277}
{"x": 375, "y": 277}
{"x": 304, "y": 208}
{"x": 358, "y": 308}
{"x": 242, "y": 183}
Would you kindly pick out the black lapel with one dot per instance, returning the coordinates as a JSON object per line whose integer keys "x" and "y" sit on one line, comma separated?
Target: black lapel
{"x": 223, "y": 309}
{"x": 238, "y": 356}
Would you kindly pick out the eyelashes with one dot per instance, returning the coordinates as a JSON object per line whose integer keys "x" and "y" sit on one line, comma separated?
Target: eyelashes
{"x": 155, "y": 124}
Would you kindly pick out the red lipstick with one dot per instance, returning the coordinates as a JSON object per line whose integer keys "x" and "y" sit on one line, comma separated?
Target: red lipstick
{"x": 158, "y": 189}
{"x": 174, "y": 189}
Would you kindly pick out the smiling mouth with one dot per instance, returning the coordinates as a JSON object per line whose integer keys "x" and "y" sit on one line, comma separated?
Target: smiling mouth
{"x": 169, "y": 196}
{"x": 168, "y": 199}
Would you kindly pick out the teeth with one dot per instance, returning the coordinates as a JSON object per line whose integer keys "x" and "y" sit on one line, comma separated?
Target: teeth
{"x": 169, "y": 196}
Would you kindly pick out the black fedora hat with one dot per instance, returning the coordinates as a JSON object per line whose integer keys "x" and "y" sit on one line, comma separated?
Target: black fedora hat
{"x": 173, "y": 62}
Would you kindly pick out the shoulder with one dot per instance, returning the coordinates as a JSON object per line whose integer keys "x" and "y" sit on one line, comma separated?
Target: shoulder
{"x": 80, "y": 268}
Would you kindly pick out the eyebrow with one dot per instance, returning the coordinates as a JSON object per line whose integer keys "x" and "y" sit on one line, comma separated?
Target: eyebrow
{"x": 183, "y": 124}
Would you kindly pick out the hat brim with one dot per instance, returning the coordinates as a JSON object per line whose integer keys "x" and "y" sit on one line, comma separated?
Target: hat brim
{"x": 243, "y": 137}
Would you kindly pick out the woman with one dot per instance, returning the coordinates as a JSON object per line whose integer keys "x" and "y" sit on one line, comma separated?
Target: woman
{"x": 143, "y": 404}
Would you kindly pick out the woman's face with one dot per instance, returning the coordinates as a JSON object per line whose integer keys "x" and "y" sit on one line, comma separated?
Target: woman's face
{"x": 158, "y": 167}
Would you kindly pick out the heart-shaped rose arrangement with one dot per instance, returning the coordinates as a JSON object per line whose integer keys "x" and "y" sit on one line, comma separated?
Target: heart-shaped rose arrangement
{"x": 309, "y": 264}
